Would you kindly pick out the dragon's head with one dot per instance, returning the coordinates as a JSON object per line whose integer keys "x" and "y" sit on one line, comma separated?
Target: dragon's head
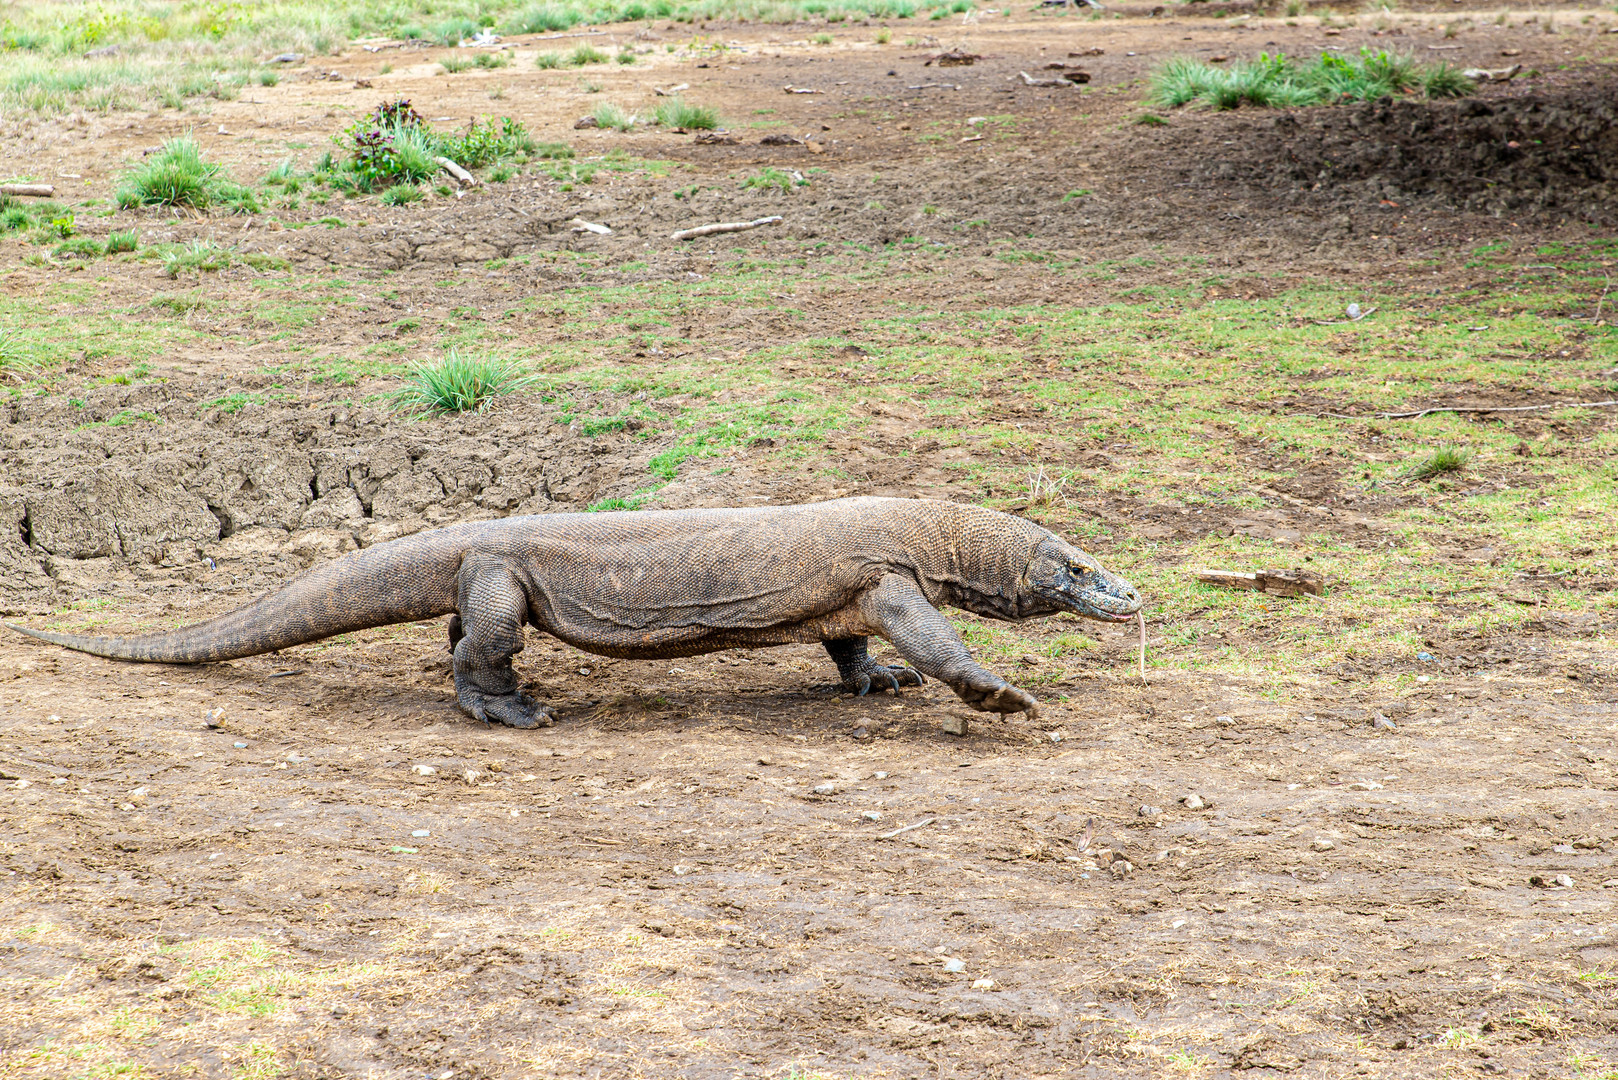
{"x": 1067, "y": 579}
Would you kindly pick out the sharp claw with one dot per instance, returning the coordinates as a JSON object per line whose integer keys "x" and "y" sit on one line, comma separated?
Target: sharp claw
{"x": 865, "y": 686}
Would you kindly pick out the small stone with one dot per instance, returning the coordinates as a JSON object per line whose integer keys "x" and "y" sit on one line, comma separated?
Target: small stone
{"x": 954, "y": 725}
{"x": 1120, "y": 868}
{"x": 1149, "y": 811}
{"x": 1426, "y": 657}
{"x": 241, "y": 746}
{"x": 766, "y": 760}
{"x": 1563, "y": 880}
{"x": 287, "y": 58}
{"x": 879, "y": 776}
{"x": 212, "y": 719}
{"x": 1610, "y": 883}
{"x": 420, "y": 832}
{"x": 983, "y": 984}
{"x": 1365, "y": 785}
{"x": 680, "y": 869}
{"x": 1323, "y": 844}
{"x": 1563, "y": 849}
{"x": 871, "y": 815}
{"x": 825, "y": 789}
{"x": 423, "y": 770}
{"x": 862, "y": 732}
{"x": 1583, "y": 843}
{"x": 954, "y": 966}
{"x": 1055, "y": 736}
{"x": 339, "y": 1012}
{"x": 1225, "y": 721}
{"x": 1194, "y": 802}
{"x": 58, "y": 781}
{"x": 1382, "y": 722}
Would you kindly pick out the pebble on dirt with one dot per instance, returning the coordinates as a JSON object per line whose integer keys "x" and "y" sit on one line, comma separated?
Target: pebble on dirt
{"x": 954, "y": 966}
{"x": 825, "y": 789}
{"x": 1150, "y": 811}
{"x": 954, "y": 725}
{"x": 1323, "y": 844}
{"x": 1194, "y": 801}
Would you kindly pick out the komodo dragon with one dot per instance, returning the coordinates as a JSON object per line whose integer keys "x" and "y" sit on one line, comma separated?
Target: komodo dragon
{"x": 669, "y": 583}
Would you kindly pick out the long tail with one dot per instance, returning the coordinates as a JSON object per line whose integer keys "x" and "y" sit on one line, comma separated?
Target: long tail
{"x": 400, "y": 581}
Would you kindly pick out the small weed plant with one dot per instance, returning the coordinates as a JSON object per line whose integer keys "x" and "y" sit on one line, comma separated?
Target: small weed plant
{"x": 459, "y": 384}
{"x": 394, "y": 145}
{"x": 1281, "y": 82}
{"x": 586, "y": 54}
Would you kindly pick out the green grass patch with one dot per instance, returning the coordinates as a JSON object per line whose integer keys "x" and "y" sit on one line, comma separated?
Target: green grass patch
{"x": 1280, "y": 81}
{"x": 771, "y": 177}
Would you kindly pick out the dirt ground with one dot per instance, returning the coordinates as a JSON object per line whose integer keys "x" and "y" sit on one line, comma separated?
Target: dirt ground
{"x": 312, "y": 864}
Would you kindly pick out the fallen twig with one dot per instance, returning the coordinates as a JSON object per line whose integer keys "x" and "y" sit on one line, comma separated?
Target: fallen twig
{"x": 1031, "y": 81}
{"x": 581, "y": 226}
{"x": 906, "y": 828}
{"x": 1466, "y": 409}
{"x": 1142, "y": 619}
{"x": 671, "y": 90}
{"x": 723, "y": 227}
{"x": 466, "y": 179}
{"x": 1272, "y": 582}
{"x": 934, "y": 86}
{"x": 32, "y": 191}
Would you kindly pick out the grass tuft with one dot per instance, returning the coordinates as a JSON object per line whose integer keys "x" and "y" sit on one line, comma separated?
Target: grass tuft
{"x": 608, "y": 115}
{"x": 1446, "y": 459}
{"x": 16, "y": 365}
{"x": 459, "y": 384}
{"x": 586, "y": 54}
{"x": 177, "y": 176}
{"x": 677, "y": 113}
{"x": 400, "y": 194}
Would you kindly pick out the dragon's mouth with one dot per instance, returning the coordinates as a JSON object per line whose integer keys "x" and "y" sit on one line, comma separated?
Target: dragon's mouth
{"x": 1092, "y": 603}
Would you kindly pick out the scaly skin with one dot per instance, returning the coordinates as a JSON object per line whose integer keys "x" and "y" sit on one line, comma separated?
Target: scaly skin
{"x": 672, "y": 583}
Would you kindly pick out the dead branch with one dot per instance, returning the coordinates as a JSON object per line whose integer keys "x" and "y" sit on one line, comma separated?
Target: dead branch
{"x": 723, "y": 227}
{"x": 1272, "y": 582}
{"x": 465, "y": 178}
{"x": 32, "y": 191}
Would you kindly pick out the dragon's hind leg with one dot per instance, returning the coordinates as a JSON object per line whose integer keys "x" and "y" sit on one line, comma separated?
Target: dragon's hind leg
{"x": 484, "y": 637}
{"x": 861, "y": 674}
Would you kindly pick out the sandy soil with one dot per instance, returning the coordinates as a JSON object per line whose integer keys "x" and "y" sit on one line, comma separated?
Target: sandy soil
{"x": 312, "y": 864}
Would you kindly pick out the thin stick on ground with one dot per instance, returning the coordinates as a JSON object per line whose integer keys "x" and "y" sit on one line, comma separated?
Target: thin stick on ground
{"x": 1466, "y": 409}
{"x": 906, "y": 828}
{"x": 724, "y": 227}
{"x": 1142, "y": 617}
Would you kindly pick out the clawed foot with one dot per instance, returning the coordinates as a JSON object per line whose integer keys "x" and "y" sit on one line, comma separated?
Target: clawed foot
{"x": 516, "y": 710}
{"x": 998, "y": 696}
{"x": 882, "y": 677}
